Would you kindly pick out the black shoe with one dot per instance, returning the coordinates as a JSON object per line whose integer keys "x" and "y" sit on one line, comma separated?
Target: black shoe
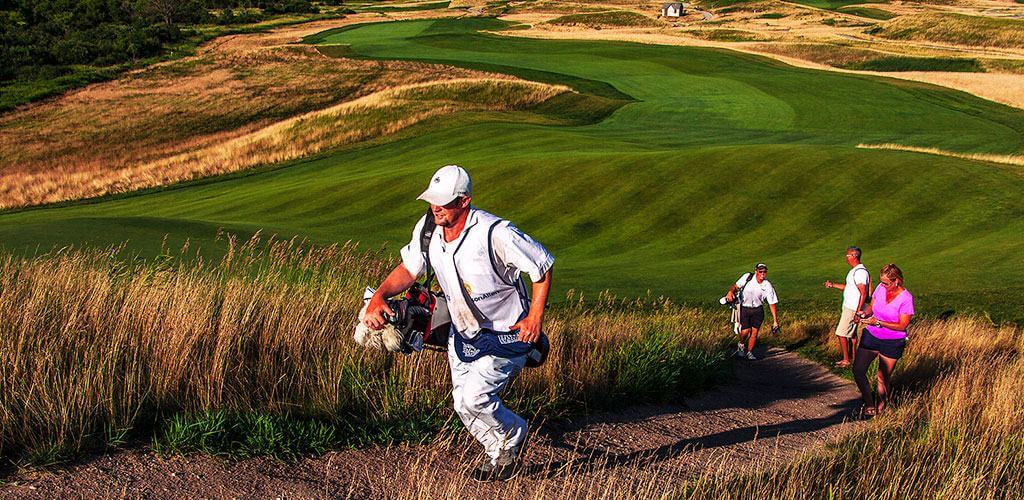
{"x": 483, "y": 473}
{"x": 488, "y": 472}
{"x": 506, "y": 466}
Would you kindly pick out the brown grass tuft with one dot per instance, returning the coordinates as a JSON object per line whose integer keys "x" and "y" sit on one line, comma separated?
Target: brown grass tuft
{"x": 956, "y": 29}
{"x": 1017, "y": 160}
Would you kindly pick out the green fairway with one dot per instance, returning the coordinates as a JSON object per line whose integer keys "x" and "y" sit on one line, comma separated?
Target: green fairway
{"x": 720, "y": 160}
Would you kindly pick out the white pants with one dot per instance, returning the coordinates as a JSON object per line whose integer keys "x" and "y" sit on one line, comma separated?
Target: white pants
{"x": 475, "y": 388}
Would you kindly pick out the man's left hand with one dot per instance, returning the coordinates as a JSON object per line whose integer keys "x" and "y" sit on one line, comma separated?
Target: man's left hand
{"x": 529, "y": 329}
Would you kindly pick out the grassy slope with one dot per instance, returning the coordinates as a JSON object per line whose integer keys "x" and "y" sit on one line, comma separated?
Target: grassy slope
{"x": 868, "y": 12}
{"x": 953, "y": 28}
{"x": 725, "y": 159}
{"x": 23, "y": 91}
{"x": 619, "y": 18}
{"x": 832, "y": 4}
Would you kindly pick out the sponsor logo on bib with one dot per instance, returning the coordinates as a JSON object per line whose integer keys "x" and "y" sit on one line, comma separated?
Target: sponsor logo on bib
{"x": 508, "y": 338}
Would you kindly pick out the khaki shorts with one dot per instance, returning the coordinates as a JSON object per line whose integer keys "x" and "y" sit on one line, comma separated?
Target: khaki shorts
{"x": 846, "y": 327}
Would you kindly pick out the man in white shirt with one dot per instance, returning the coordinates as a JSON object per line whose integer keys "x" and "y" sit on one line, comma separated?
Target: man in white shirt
{"x": 754, "y": 290}
{"x": 478, "y": 259}
{"x": 856, "y": 293}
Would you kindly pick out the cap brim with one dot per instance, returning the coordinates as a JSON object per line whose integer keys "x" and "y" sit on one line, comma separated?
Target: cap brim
{"x": 438, "y": 199}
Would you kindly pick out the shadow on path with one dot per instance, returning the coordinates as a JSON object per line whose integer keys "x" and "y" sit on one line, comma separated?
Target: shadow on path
{"x": 781, "y": 385}
{"x": 596, "y": 459}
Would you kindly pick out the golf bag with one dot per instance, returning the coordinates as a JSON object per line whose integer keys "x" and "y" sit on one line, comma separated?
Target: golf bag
{"x": 420, "y": 321}
{"x": 421, "y": 317}
{"x": 736, "y": 304}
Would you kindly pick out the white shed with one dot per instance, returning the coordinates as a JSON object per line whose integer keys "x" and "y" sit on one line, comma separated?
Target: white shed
{"x": 672, "y": 10}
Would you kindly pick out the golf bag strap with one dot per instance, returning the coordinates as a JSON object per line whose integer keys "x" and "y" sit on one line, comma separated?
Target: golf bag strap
{"x": 739, "y": 295}
{"x": 491, "y": 256}
{"x": 429, "y": 225}
{"x": 518, "y": 283}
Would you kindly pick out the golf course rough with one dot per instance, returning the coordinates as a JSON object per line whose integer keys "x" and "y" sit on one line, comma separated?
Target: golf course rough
{"x": 707, "y": 162}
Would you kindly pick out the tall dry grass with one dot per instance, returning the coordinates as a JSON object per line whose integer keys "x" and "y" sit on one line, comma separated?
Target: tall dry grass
{"x": 206, "y": 115}
{"x": 94, "y": 343}
{"x": 98, "y": 346}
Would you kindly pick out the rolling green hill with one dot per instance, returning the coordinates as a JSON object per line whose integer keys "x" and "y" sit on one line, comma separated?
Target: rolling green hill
{"x": 714, "y": 161}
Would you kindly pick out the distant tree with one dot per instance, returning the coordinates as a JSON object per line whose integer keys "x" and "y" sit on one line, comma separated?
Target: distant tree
{"x": 175, "y": 11}
{"x": 288, "y": 7}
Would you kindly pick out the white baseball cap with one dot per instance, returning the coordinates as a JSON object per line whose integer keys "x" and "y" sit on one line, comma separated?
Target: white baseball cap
{"x": 448, "y": 183}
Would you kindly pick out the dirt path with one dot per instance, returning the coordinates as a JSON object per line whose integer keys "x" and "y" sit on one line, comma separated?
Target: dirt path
{"x": 773, "y": 410}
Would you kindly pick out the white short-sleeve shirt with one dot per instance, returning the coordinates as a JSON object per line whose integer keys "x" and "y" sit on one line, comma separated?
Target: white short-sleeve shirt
{"x": 487, "y": 259}
{"x": 756, "y": 294}
{"x": 858, "y": 275}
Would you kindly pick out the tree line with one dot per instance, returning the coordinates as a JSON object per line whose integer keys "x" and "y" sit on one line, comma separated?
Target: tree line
{"x": 45, "y": 38}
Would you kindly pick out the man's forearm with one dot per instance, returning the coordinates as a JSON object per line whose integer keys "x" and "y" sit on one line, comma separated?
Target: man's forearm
{"x": 540, "y": 295}
{"x": 397, "y": 281}
{"x": 775, "y": 315}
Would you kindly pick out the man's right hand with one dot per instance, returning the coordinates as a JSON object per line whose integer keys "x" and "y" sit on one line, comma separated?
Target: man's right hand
{"x": 399, "y": 279}
{"x": 828, "y": 284}
{"x": 375, "y": 311}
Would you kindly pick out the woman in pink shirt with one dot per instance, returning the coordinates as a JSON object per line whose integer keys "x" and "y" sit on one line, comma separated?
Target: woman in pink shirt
{"x": 885, "y": 335}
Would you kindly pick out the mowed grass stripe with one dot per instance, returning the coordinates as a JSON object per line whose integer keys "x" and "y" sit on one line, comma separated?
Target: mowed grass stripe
{"x": 720, "y": 160}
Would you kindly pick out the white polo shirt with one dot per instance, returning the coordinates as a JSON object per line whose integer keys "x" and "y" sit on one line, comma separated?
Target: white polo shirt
{"x": 756, "y": 294}
{"x": 858, "y": 275}
{"x": 488, "y": 256}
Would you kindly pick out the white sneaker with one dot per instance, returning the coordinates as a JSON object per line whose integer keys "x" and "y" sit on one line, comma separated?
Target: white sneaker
{"x": 750, "y": 356}
{"x": 741, "y": 350}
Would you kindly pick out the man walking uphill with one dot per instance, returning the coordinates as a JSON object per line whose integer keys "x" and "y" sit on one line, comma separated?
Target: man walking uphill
{"x": 478, "y": 259}
{"x": 753, "y": 290}
{"x": 856, "y": 291}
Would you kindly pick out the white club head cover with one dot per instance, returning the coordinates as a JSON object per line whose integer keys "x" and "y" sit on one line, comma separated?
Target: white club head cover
{"x": 387, "y": 339}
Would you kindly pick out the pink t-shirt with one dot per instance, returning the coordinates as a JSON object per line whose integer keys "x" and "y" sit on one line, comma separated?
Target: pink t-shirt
{"x": 890, "y": 312}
